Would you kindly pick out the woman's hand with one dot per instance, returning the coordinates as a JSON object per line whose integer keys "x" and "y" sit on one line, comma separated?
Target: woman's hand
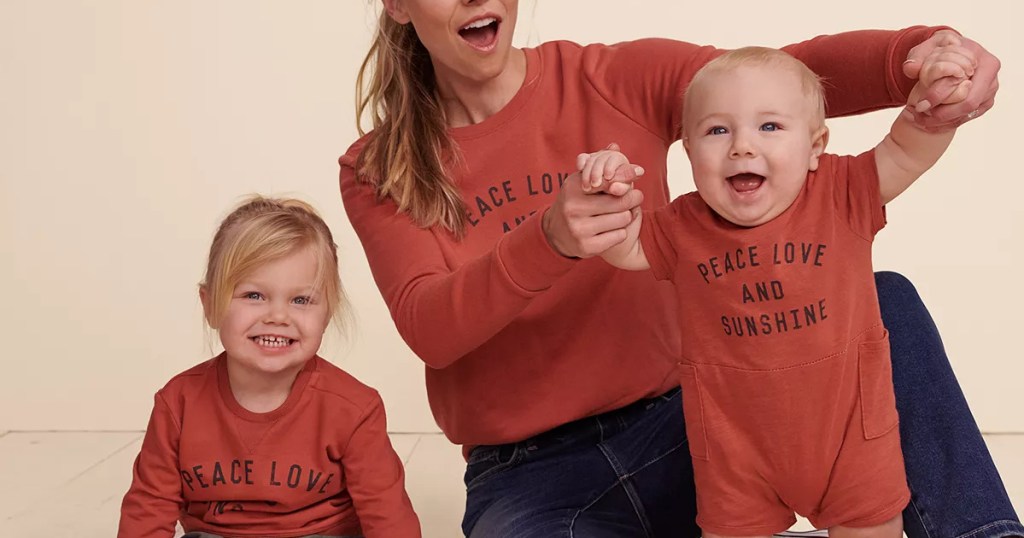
{"x": 582, "y": 225}
{"x": 943, "y": 106}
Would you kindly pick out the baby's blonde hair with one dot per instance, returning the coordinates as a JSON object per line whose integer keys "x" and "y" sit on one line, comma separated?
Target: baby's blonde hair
{"x": 262, "y": 230}
{"x": 757, "y": 56}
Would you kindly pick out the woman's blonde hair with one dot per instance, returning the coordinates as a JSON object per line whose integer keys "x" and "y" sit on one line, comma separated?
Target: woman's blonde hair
{"x": 262, "y": 230}
{"x": 409, "y": 154}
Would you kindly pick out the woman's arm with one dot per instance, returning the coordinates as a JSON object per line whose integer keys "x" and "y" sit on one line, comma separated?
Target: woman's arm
{"x": 867, "y": 70}
{"x": 441, "y": 312}
{"x": 862, "y": 70}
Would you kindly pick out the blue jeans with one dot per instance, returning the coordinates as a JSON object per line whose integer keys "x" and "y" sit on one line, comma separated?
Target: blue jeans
{"x": 627, "y": 473}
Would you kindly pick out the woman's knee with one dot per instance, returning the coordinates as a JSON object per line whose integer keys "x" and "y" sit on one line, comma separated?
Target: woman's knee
{"x": 903, "y": 311}
{"x": 895, "y": 289}
{"x": 916, "y": 347}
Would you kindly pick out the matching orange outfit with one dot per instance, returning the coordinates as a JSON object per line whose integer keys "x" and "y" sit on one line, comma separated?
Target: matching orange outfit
{"x": 486, "y": 312}
{"x": 787, "y": 384}
{"x": 319, "y": 464}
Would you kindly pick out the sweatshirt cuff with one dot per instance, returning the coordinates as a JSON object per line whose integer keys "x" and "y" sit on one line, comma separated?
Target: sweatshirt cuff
{"x": 529, "y": 260}
{"x": 899, "y": 84}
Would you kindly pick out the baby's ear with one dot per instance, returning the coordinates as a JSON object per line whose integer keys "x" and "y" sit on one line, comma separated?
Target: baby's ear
{"x": 818, "y": 142}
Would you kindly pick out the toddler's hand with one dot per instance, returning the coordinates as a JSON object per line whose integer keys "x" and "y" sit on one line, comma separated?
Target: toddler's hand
{"x": 607, "y": 170}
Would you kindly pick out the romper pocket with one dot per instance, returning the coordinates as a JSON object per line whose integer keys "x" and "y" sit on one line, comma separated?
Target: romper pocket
{"x": 693, "y": 412}
{"x": 877, "y": 396}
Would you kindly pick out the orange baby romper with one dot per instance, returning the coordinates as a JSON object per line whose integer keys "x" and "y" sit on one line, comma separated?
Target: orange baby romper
{"x": 787, "y": 384}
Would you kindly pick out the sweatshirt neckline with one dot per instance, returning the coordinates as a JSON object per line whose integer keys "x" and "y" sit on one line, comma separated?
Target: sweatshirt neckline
{"x": 294, "y": 396}
{"x": 512, "y": 108}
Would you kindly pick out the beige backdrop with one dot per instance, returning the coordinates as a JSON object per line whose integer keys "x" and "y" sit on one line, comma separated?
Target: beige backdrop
{"x": 128, "y": 128}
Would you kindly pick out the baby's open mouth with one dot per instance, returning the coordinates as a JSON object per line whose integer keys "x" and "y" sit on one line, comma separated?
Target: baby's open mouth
{"x": 746, "y": 181}
{"x": 481, "y": 33}
{"x": 272, "y": 341}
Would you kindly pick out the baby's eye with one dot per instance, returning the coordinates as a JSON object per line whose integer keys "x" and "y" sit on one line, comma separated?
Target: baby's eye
{"x": 717, "y": 130}
{"x": 252, "y": 295}
{"x": 302, "y": 300}
{"x": 771, "y": 126}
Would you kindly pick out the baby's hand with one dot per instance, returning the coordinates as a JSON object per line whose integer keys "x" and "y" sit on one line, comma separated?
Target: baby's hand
{"x": 607, "y": 170}
{"x": 947, "y": 73}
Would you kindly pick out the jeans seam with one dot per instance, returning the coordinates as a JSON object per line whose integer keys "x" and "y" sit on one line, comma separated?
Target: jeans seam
{"x": 496, "y": 468}
{"x": 491, "y": 456}
{"x": 572, "y": 520}
{"x": 924, "y": 519}
{"x": 627, "y": 487}
{"x": 1007, "y": 526}
{"x": 656, "y": 459}
{"x": 617, "y": 483}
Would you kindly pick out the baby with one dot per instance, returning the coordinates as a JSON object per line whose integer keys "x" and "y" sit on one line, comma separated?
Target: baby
{"x": 787, "y": 385}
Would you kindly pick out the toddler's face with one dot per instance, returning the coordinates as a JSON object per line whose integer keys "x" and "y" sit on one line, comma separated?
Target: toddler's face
{"x": 751, "y": 134}
{"x": 276, "y": 320}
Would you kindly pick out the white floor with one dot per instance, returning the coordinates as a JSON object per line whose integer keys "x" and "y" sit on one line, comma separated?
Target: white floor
{"x": 58, "y": 484}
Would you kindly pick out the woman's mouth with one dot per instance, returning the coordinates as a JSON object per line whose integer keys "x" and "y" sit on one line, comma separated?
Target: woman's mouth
{"x": 481, "y": 34}
{"x": 745, "y": 182}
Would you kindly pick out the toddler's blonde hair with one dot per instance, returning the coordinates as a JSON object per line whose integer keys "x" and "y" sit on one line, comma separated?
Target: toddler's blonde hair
{"x": 262, "y": 230}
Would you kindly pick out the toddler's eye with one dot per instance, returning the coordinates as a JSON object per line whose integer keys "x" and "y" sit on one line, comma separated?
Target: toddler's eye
{"x": 252, "y": 295}
{"x": 303, "y": 300}
{"x": 771, "y": 126}
{"x": 717, "y": 130}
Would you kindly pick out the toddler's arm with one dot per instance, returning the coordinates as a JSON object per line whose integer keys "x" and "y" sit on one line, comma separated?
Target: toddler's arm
{"x": 376, "y": 479}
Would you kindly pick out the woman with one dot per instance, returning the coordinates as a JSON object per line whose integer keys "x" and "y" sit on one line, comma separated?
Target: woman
{"x": 479, "y": 239}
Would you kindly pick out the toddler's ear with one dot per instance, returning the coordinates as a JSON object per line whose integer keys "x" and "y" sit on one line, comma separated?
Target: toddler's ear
{"x": 818, "y": 142}
{"x": 204, "y": 297}
{"x": 686, "y": 144}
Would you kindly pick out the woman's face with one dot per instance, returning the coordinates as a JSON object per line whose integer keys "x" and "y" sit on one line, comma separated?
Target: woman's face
{"x": 469, "y": 40}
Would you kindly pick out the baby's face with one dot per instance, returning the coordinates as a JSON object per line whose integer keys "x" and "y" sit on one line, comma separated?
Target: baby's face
{"x": 751, "y": 133}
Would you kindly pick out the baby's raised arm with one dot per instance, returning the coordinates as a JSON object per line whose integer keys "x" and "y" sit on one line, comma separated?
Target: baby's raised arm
{"x": 908, "y": 150}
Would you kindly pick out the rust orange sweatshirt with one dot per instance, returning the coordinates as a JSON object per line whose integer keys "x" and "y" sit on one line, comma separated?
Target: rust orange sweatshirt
{"x": 517, "y": 339}
{"x": 321, "y": 463}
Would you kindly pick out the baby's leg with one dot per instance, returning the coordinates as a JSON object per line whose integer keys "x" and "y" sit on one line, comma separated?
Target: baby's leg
{"x": 890, "y": 529}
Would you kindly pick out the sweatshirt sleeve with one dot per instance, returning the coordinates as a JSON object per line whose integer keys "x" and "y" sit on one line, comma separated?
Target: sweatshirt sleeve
{"x": 153, "y": 503}
{"x": 646, "y": 78}
{"x": 376, "y": 479}
{"x": 862, "y": 70}
{"x": 436, "y": 308}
